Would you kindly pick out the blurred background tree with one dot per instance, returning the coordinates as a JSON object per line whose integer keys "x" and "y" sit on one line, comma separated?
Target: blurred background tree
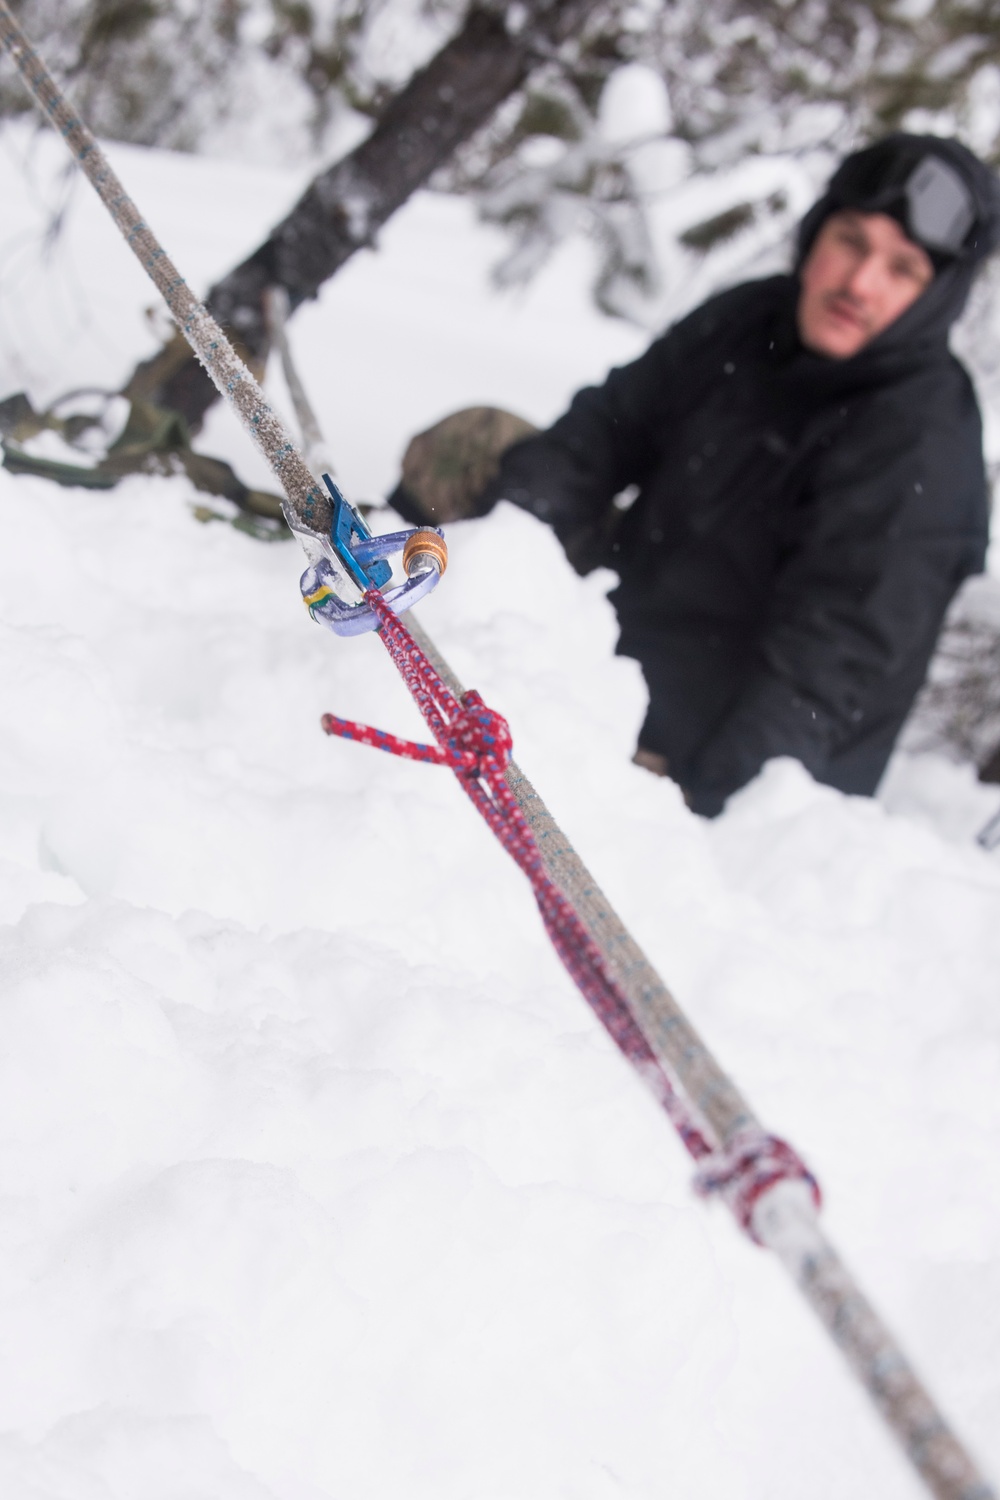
{"x": 609, "y": 123}
{"x": 631, "y": 122}
{"x": 186, "y": 75}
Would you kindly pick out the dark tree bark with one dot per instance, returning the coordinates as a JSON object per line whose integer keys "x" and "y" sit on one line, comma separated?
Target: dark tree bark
{"x": 989, "y": 771}
{"x": 442, "y": 105}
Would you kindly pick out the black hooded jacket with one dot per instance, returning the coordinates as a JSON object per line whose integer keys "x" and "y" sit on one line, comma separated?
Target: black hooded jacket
{"x": 801, "y": 525}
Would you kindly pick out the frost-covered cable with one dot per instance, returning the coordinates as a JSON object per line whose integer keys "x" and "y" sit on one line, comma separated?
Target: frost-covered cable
{"x": 306, "y": 505}
{"x": 761, "y": 1179}
{"x": 780, "y": 1216}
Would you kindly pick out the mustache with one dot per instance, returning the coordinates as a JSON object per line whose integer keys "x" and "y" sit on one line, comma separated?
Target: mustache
{"x": 845, "y": 302}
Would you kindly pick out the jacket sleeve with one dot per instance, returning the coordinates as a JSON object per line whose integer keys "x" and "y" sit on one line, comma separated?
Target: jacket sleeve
{"x": 609, "y": 438}
{"x": 871, "y": 561}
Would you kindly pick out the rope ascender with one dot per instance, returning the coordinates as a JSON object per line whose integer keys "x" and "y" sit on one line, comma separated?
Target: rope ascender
{"x": 772, "y": 1194}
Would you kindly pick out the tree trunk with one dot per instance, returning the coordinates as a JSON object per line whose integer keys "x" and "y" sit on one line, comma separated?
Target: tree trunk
{"x": 989, "y": 771}
{"x": 342, "y": 209}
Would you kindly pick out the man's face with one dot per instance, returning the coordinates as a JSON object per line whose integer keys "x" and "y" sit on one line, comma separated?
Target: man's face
{"x": 863, "y": 271}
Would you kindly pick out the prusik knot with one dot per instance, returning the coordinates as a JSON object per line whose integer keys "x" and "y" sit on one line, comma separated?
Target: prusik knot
{"x": 474, "y": 740}
{"x": 747, "y": 1168}
{"x": 478, "y": 738}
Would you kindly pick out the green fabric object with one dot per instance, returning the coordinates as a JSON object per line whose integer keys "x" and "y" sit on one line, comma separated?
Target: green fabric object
{"x": 154, "y": 440}
{"x": 446, "y": 469}
{"x": 74, "y": 475}
{"x": 18, "y": 418}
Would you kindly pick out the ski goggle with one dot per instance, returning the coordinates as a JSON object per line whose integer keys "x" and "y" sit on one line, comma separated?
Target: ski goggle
{"x": 933, "y": 203}
{"x": 939, "y": 207}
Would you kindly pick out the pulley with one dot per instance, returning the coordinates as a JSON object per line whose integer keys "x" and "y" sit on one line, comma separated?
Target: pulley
{"x": 353, "y": 555}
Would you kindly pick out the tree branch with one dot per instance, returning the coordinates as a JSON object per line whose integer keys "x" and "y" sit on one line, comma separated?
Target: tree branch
{"x": 341, "y": 211}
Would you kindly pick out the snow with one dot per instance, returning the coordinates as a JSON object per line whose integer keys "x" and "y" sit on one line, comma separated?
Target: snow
{"x": 318, "y": 1179}
{"x": 633, "y": 104}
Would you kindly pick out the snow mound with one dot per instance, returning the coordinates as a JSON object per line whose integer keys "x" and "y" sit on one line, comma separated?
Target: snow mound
{"x": 318, "y": 1179}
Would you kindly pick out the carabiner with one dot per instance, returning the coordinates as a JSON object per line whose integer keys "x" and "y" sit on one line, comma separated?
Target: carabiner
{"x": 352, "y": 551}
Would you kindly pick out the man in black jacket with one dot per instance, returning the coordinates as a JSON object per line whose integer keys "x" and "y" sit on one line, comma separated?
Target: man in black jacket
{"x": 811, "y": 491}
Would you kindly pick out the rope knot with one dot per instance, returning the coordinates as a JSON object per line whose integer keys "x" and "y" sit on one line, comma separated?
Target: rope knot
{"x": 478, "y": 738}
{"x": 747, "y": 1168}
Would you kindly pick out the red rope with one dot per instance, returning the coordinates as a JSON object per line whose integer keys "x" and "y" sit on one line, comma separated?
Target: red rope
{"x": 476, "y": 743}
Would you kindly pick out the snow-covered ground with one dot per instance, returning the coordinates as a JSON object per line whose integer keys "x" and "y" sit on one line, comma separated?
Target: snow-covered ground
{"x": 318, "y": 1179}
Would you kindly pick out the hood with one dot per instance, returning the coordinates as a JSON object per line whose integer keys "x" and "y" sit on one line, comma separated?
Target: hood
{"x": 861, "y": 182}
